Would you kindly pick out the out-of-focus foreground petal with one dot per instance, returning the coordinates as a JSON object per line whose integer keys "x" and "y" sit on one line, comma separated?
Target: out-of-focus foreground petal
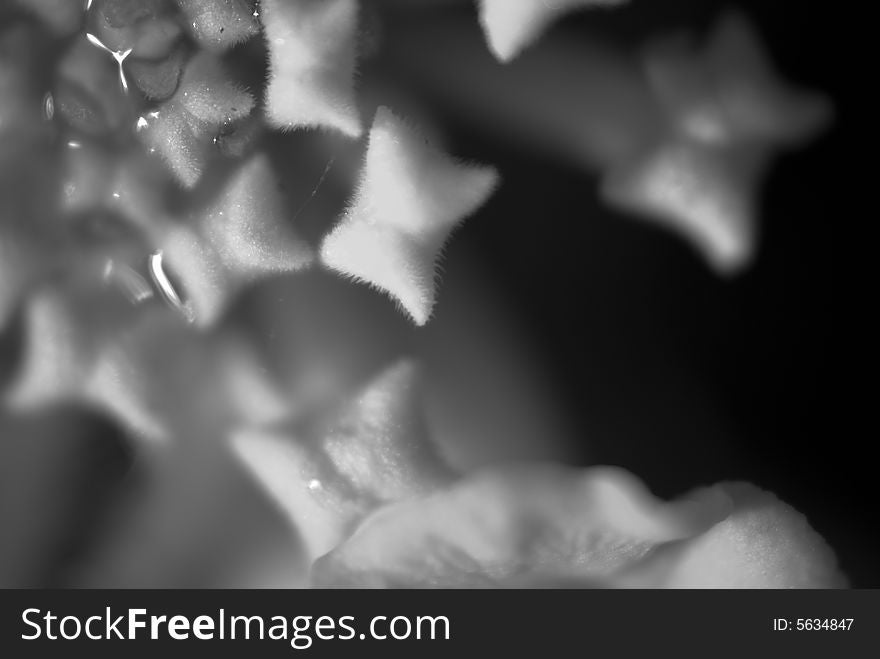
{"x": 511, "y": 25}
{"x": 544, "y": 525}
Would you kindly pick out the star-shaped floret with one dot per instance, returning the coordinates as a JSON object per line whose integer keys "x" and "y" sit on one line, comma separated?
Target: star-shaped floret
{"x": 551, "y": 526}
{"x": 112, "y": 346}
{"x": 312, "y": 53}
{"x": 143, "y": 28}
{"x": 512, "y": 25}
{"x": 220, "y": 24}
{"x": 73, "y": 353}
{"x": 409, "y": 198}
{"x": 243, "y": 236}
{"x": 63, "y": 17}
{"x": 727, "y": 114}
{"x": 183, "y": 129}
{"x": 326, "y": 474}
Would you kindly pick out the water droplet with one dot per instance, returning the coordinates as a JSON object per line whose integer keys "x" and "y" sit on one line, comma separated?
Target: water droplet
{"x": 166, "y": 288}
{"x": 74, "y": 144}
{"x": 314, "y": 484}
{"x": 48, "y": 106}
{"x": 141, "y": 124}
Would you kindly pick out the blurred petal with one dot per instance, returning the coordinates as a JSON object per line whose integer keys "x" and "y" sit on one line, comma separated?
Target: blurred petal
{"x": 518, "y": 526}
{"x": 220, "y": 24}
{"x": 410, "y": 197}
{"x": 241, "y": 237}
{"x": 373, "y": 450}
{"x": 158, "y": 79}
{"x": 72, "y": 353}
{"x": 183, "y": 129}
{"x": 512, "y": 25}
{"x": 729, "y": 90}
{"x": 139, "y": 363}
{"x": 702, "y": 193}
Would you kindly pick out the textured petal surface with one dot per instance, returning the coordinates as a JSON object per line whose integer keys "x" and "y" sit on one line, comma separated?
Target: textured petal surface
{"x": 523, "y": 525}
{"x": 183, "y": 129}
{"x": 409, "y": 198}
{"x": 138, "y": 362}
{"x": 763, "y": 543}
{"x": 328, "y": 475}
{"x": 312, "y": 50}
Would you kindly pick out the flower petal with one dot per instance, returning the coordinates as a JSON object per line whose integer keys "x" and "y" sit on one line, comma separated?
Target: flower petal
{"x": 63, "y": 17}
{"x": 208, "y": 94}
{"x": 312, "y": 51}
{"x": 701, "y": 193}
{"x": 764, "y": 543}
{"x": 327, "y": 476}
{"x": 409, "y": 199}
{"x": 512, "y": 25}
{"x": 220, "y": 24}
{"x": 726, "y": 115}
{"x": 516, "y": 526}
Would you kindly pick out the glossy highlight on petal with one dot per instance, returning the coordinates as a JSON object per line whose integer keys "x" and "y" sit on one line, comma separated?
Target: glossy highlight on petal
{"x": 409, "y": 199}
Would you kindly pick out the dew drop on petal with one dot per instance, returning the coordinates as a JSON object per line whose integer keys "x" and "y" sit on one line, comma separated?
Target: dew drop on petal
{"x": 48, "y": 106}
